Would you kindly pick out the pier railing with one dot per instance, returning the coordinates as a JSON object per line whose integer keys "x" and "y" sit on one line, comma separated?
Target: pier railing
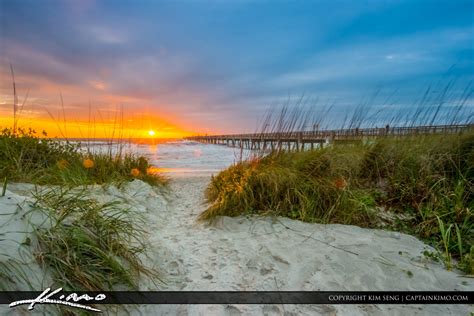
{"x": 300, "y": 139}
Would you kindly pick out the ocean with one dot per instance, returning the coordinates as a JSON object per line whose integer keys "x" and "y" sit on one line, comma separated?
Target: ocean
{"x": 180, "y": 157}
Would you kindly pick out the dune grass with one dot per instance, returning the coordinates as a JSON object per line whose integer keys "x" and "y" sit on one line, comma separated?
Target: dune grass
{"x": 424, "y": 185}
{"x": 25, "y": 157}
{"x": 89, "y": 245}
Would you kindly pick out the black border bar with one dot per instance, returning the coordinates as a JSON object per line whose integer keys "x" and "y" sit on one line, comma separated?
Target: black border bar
{"x": 261, "y": 297}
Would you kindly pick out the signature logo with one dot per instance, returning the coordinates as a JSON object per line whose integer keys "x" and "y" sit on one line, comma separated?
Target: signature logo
{"x": 70, "y": 300}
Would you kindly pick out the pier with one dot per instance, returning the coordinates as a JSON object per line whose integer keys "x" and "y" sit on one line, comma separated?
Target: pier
{"x": 303, "y": 140}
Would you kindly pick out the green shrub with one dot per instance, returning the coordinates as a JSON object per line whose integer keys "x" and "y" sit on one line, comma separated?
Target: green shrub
{"x": 25, "y": 157}
{"x": 310, "y": 186}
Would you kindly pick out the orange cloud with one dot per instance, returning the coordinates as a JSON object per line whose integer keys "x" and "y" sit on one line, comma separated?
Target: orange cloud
{"x": 99, "y": 85}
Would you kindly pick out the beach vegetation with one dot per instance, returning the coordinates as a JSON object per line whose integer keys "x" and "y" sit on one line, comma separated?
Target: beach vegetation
{"x": 26, "y": 157}
{"x": 88, "y": 245}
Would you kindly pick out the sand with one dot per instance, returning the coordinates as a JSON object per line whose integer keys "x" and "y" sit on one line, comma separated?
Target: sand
{"x": 260, "y": 254}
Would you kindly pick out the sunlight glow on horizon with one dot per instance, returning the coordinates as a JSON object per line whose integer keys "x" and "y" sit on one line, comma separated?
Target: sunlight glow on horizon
{"x": 95, "y": 129}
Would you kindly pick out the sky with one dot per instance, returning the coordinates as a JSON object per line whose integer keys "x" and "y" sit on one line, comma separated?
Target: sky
{"x": 183, "y": 67}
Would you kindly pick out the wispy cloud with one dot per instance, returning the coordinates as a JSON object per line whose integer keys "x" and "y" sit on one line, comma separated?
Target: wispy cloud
{"x": 381, "y": 60}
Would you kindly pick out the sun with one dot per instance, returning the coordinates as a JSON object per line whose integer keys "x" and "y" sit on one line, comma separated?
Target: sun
{"x": 151, "y": 132}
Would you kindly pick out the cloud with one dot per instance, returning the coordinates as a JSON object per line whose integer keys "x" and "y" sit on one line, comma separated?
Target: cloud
{"x": 105, "y": 35}
{"x": 99, "y": 85}
{"x": 376, "y": 61}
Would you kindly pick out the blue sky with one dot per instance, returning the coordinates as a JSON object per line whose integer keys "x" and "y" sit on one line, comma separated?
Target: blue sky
{"x": 220, "y": 64}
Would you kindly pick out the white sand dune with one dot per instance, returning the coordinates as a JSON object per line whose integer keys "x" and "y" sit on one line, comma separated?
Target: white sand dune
{"x": 268, "y": 254}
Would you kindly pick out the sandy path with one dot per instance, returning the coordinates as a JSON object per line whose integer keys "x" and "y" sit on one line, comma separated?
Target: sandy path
{"x": 282, "y": 254}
